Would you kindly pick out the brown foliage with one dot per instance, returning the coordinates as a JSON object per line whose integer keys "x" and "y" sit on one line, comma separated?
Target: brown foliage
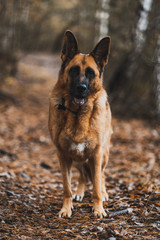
{"x": 31, "y": 184}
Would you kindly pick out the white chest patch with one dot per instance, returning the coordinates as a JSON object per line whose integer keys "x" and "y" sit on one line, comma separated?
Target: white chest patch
{"x": 78, "y": 147}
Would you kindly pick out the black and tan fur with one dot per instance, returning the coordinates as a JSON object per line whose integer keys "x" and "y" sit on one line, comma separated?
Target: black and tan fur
{"x": 80, "y": 121}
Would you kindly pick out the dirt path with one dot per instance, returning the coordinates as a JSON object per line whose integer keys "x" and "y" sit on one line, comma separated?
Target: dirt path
{"x": 30, "y": 179}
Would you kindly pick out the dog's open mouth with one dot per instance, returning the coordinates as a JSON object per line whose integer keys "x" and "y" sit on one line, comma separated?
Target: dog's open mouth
{"x": 79, "y": 101}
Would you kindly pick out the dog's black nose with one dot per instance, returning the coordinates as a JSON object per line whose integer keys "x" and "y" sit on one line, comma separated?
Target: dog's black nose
{"x": 81, "y": 87}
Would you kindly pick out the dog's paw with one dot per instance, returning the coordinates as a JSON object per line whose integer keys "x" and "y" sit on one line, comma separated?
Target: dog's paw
{"x": 77, "y": 198}
{"x": 99, "y": 212}
{"x": 65, "y": 212}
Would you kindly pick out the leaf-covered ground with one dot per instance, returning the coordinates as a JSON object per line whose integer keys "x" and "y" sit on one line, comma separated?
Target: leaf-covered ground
{"x": 30, "y": 178}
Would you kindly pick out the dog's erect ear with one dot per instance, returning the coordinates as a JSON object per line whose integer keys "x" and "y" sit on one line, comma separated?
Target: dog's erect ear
{"x": 101, "y": 51}
{"x": 70, "y": 46}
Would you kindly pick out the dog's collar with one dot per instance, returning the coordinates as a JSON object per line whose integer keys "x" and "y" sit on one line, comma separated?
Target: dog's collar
{"x": 62, "y": 106}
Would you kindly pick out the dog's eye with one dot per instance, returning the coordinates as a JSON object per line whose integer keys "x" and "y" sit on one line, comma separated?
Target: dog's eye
{"x": 74, "y": 71}
{"x": 90, "y": 73}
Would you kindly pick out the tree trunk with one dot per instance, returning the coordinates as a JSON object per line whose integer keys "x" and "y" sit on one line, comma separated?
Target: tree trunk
{"x": 131, "y": 86}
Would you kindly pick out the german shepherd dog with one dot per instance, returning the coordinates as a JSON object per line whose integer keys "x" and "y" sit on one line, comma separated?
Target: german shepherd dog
{"x": 80, "y": 121}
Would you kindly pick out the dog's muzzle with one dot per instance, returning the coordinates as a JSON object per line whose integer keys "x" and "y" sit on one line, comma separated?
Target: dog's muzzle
{"x": 81, "y": 92}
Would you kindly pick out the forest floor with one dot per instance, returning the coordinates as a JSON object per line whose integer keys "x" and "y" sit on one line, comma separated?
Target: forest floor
{"x": 30, "y": 179}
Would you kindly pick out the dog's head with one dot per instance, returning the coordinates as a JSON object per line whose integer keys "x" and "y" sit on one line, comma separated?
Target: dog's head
{"x": 81, "y": 73}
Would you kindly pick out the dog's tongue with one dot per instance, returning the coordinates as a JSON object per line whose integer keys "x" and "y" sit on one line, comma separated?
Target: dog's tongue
{"x": 79, "y": 101}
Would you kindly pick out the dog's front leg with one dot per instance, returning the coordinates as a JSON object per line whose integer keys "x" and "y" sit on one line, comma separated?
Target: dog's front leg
{"x": 96, "y": 170}
{"x": 65, "y": 165}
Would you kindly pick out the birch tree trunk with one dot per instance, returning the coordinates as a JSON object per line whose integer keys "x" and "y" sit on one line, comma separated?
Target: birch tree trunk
{"x": 102, "y": 14}
{"x": 142, "y": 24}
{"x": 132, "y": 85}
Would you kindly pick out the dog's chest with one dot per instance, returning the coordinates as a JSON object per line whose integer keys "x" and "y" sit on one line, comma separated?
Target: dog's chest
{"x": 78, "y": 151}
{"x": 79, "y": 148}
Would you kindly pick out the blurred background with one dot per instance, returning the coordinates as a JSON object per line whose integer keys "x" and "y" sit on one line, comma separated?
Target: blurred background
{"x": 132, "y": 76}
{"x": 31, "y": 36}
